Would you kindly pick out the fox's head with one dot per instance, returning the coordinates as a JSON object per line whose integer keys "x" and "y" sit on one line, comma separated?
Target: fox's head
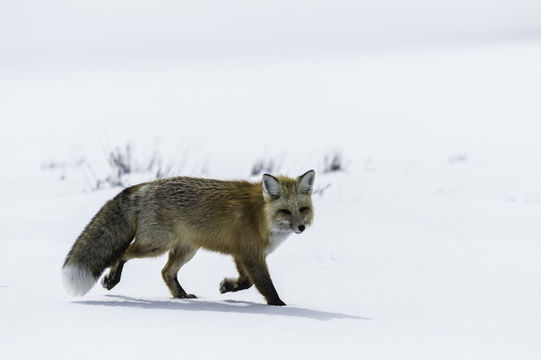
{"x": 289, "y": 202}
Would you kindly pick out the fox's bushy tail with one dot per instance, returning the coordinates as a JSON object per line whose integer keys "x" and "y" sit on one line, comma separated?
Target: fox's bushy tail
{"x": 101, "y": 244}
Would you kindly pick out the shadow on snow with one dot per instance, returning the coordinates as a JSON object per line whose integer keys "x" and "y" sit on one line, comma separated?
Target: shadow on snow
{"x": 232, "y": 306}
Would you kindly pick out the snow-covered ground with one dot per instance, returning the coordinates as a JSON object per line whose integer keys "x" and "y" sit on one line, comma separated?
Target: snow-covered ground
{"x": 427, "y": 246}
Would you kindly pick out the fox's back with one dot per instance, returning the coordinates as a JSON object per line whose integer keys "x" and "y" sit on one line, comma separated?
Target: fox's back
{"x": 205, "y": 210}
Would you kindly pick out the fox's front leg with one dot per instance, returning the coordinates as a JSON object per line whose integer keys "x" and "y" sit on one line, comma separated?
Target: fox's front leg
{"x": 259, "y": 275}
{"x": 241, "y": 283}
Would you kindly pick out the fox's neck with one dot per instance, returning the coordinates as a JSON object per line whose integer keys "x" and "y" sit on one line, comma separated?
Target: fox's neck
{"x": 276, "y": 238}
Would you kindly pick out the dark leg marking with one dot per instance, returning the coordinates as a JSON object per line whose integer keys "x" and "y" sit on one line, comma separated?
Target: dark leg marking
{"x": 232, "y": 285}
{"x": 110, "y": 280}
{"x": 259, "y": 276}
{"x": 240, "y": 283}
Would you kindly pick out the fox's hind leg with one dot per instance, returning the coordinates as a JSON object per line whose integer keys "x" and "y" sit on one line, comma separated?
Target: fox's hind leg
{"x": 179, "y": 256}
{"x": 137, "y": 249}
{"x": 110, "y": 280}
{"x": 236, "y": 284}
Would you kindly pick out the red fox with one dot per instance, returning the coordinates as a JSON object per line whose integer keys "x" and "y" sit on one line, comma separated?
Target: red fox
{"x": 180, "y": 215}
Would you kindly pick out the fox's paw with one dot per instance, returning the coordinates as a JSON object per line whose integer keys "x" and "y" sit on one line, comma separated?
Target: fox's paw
{"x": 227, "y": 285}
{"x": 108, "y": 283}
{"x": 276, "y": 302}
{"x": 186, "y": 296}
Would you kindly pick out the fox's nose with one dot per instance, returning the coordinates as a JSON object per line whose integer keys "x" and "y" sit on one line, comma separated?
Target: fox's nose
{"x": 301, "y": 228}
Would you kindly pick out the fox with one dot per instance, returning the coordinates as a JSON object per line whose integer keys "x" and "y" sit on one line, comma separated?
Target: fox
{"x": 180, "y": 215}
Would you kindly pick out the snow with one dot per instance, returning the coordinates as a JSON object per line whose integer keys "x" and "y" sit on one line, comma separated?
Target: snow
{"x": 426, "y": 246}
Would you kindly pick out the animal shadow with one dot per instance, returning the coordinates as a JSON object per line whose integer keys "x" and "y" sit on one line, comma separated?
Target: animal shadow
{"x": 226, "y": 306}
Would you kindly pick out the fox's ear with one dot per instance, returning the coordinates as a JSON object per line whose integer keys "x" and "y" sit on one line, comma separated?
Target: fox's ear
{"x": 306, "y": 182}
{"x": 271, "y": 186}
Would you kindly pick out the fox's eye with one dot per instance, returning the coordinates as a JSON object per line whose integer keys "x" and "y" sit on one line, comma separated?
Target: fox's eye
{"x": 285, "y": 211}
{"x": 304, "y": 209}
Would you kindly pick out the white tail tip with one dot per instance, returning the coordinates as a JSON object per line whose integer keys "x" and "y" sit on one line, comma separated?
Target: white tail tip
{"x": 77, "y": 280}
